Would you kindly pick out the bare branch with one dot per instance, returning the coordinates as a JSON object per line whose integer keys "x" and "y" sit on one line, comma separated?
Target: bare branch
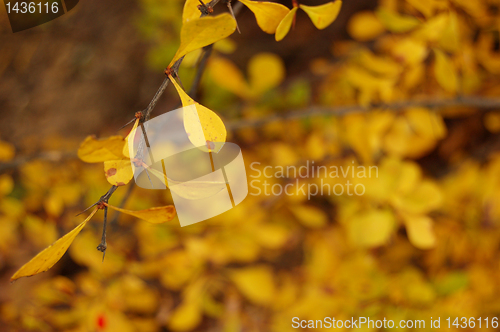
{"x": 479, "y": 102}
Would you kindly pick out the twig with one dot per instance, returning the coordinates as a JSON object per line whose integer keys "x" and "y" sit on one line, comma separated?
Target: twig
{"x": 124, "y": 200}
{"x": 483, "y": 103}
{"x": 207, "y": 51}
{"x": 102, "y": 246}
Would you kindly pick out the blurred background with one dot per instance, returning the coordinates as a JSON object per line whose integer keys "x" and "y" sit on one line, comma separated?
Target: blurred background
{"x": 408, "y": 87}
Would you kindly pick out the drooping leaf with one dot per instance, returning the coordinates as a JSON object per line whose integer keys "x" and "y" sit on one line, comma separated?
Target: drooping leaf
{"x": 445, "y": 72}
{"x": 155, "y": 215}
{"x": 118, "y": 172}
{"x": 126, "y": 148}
{"x": 94, "y": 150}
{"x": 285, "y": 24}
{"x": 268, "y": 14}
{"x": 323, "y": 15}
{"x": 200, "y": 32}
{"x": 212, "y": 127}
{"x": 51, "y": 255}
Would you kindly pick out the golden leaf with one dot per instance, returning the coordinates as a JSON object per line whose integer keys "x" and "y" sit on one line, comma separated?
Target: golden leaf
{"x": 198, "y": 33}
{"x": 118, "y": 172}
{"x": 212, "y": 127}
{"x": 285, "y": 24}
{"x": 94, "y": 150}
{"x": 445, "y": 72}
{"x": 323, "y": 15}
{"x": 420, "y": 232}
{"x": 396, "y": 22}
{"x": 268, "y": 14}
{"x": 256, "y": 283}
{"x": 51, "y": 255}
{"x": 155, "y": 215}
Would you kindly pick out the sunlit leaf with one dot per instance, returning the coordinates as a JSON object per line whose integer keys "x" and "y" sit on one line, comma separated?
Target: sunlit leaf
{"x": 256, "y": 283}
{"x": 268, "y": 14}
{"x": 323, "y": 15}
{"x": 445, "y": 72}
{"x": 190, "y": 11}
{"x": 212, "y": 127}
{"x": 371, "y": 228}
{"x": 94, "y": 150}
{"x": 420, "y": 232}
{"x": 285, "y": 24}
{"x": 155, "y": 215}
{"x": 118, "y": 172}
{"x": 51, "y": 255}
{"x": 198, "y": 33}
{"x": 126, "y": 148}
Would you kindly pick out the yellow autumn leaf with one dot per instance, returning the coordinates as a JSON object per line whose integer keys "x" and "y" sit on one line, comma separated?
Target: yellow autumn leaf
{"x": 256, "y": 283}
{"x": 228, "y": 76}
{"x": 419, "y": 230}
{"x": 285, "y": 24}
{"x": 190, "y": 11}
{"x": 198, "y": 33}
{"x": 118, "y": 172}
{"x": 7, "y": 151}
{"x": 323, "y": 15}
{"x": 51, "y": 255}
{"x": 94, "y": 150}
{"x": 155, "y": 215}
{"x": 445, "y": 72}
{"x": 410, "y": 51}
{"x": 212, "y": 128}
{"x": 265, "y": 71}
{"x": 126, "y": 147}
{"x": 371, "y": 228}
{"x": 268, "y": 14}
{"x": 364, "y": 26}
{"x": 310, "y": 216}
{"x": 185, "y": 317}
{"x": 395, "y": 22}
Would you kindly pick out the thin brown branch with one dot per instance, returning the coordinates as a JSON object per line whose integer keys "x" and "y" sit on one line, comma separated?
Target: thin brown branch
{"x": 479, "y": 102}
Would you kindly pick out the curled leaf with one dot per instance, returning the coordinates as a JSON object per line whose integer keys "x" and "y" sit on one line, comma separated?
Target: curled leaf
{"x": 94, "y": 150}
{"x": 285, "y": 24}
{"x": 155, "y": 215}
{"x": 126, "y": 150}
{"x": 268, "y": 14}
{"x": 198, "y": 33}
{"x": 323, "y": 15}
{"x": 50, "y": 255}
